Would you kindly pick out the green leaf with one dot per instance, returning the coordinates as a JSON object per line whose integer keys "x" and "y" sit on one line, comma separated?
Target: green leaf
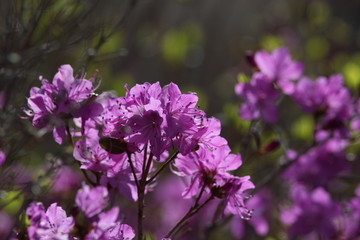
{"x": 113, "y": 146}
{"x": 12, "y": 201}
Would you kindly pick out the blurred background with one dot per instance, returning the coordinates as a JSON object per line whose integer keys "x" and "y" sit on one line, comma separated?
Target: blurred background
{"x": 201, "y": 45}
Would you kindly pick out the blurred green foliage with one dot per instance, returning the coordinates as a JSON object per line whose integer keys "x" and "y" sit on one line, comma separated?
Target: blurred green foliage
{"x": 303, "y": 128}
{"x": 243, "y": 78}
{"x": 271, "y": 42}
{"x": 231, "y": 112}
{"x": 12, "y": 201}
{"x": 317, "y": 47}
{"x": 351, "y": 71}
{"x": 176, "y": 43}
{"x": 319, "y": 13}
{"x": 114, "y": 43}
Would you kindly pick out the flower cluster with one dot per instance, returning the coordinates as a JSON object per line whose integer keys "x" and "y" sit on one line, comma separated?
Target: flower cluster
{"x": 312, "y": 173}
{"x": 315, "y": 213}
{"x": 312, "y": 210}
{"x": 53, "y": 104}
{"x": 54, "y": 224}
{"x": 319, "y": 165}
{"x": 162, "y": 118}
{"x": 50, "y": 224}
{"x": 277, "y": 71}
{"x": 124, "y": 143}
{"x": 209, "y": 171}
{"x": 262, "y": 203}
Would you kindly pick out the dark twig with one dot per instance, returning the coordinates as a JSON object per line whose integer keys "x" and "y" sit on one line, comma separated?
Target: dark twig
{"x": 282, "y": 167}
{"x": 141, "y": 195}
{"x": 162, "y": 167}
{"x": 133, "y": 169}
{"x": 71, "y": 141}
{"x": 192, "y": 211}
{"x": 104, "y": 37}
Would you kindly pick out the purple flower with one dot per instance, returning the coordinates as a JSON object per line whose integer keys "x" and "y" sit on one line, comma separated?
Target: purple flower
{"x": 180, "y": 109}
{"x": 209, "y": 171}
{"x": 169, "y": 203}
{"x": 325, "y": 96}
{"x": 232, "y": 189}
{"x": 329, "y": 101}
{"x": 279, "y": 68}
{"x": 148, "y": 119}
{"x": 208, "y": 135}
{"x": 52, "y": 224}
{"x": 35, "y": 212}
{"x": 137, "y": 118}
{"x": 203, "y": 166}
{"x": 261, "y": 204}
{"x": 320, "y": 164}
{"x": 140, "y": 94}
{"x": 161, "y": 118}
{"x": 309, "y": 94}
{"x": 68, "y": 87}
{"x": 41, "y": 107}
{"x": 115, "y": 168}
{"x": 53, "y": 104}
{"x": 6, "y": 224}
{"x": 119, "y": 231}
{"x": 259, "y": 96}
{"x": 114, "y": 117}
{"x": 66, "y": 180}
{"x": 121, "y": 177}
{"x": 184, "y": 122}
{"x": 312, "y": 211}
{"x": 92, "y": 201}
{"x": 95, "y": 157}
{"x": 148, "y": 129}
{"x": 108, "y": 228}
{"x": 124, "y": 183}
{"x": 2, "y": 157}
{"x": 349, "y": 223}
{"x": 55, "y": 225}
